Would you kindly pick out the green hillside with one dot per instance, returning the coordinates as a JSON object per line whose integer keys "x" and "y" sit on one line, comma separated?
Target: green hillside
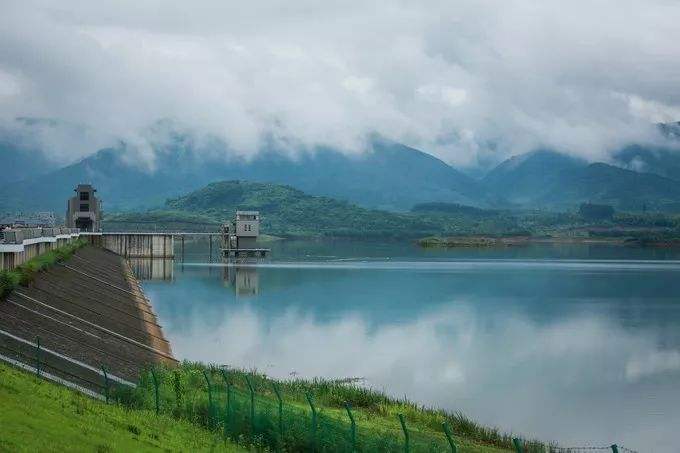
{"x": 290, "y": 212}
{"x": 40, "y": 416}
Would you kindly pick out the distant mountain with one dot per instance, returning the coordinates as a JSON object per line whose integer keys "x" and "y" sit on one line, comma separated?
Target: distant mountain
{"x": 454, "y": 209}
{"x": 624, "y": 189}
{"x": 388, "y": 176}
{"x": 523, "y": 179}
{"x": 22, "y": 147}
{"x": 670, "y": 130}
{"x": 19, "y": 163}
{"x": 663, "y": 161}
{"x": 546, "y": 179}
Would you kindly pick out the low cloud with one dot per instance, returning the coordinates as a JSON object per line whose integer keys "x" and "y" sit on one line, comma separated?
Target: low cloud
{"x": 467, "y": 81}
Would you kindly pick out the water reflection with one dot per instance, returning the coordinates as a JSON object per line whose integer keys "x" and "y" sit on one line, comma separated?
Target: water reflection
{"x": 571, "y": 350}
{"x": 152, "y": 269}
{"x": 244, "y": 280}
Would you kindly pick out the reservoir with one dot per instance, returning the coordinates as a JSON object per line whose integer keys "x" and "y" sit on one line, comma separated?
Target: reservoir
{"x": 579, "y": 344}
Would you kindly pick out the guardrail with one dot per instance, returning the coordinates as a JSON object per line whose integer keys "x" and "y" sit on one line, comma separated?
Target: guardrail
{"x": 19, "y": 235}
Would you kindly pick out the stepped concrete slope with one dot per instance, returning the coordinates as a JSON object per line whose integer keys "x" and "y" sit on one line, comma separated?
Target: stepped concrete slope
{"x": 87, "y": 312}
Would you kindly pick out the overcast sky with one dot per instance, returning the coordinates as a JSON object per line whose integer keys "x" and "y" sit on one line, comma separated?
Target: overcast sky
{"x": 468, "y": 81}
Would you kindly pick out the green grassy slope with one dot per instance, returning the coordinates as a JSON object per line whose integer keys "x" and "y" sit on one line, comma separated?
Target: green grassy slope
{"x": 184, "y": 393}
{"x": 36, "y": 415}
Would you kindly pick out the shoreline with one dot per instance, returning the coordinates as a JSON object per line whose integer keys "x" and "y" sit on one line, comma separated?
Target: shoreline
{"x": 516, "y": 241}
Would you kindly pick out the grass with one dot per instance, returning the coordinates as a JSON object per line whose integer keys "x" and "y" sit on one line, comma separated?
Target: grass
{"x": 183, "y": 393}
{"x": 25, "y": 273}
{"x": 38, "y": 415}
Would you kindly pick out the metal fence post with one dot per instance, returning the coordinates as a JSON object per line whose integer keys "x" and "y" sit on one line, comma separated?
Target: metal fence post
{"x": 519, "y": 448}
{"x": 252, "y": 404}
{"x": 353, "y": 427}
{"x": 227, "y": 385}
{"x": 155, "y": 386}
{"x": 106, "y": 384}
{"x": 406, "y": 438}
{"x": 177, "y": 384}
{"x": 449, "y": 437}
{"x": 278, "y": 397}
{"x": 311, "y": 405}
{"x": 37, "y": 356}
{"x": 615, "y": 448}
{"x": 210, "y": 399}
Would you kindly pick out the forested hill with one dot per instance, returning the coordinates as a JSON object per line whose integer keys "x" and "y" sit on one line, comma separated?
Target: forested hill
{"x": 287, "y": 211}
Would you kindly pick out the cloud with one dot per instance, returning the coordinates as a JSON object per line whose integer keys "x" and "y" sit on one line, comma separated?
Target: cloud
{"x": 467, "y": 81}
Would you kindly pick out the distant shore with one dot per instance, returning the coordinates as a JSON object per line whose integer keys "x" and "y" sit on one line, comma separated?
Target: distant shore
{"x": 513, "y": 241}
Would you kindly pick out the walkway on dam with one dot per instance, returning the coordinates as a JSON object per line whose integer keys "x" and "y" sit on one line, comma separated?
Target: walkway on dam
{"x": 87, "y": 312}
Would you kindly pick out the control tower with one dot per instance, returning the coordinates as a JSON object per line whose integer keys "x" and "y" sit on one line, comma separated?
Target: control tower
{"x": 239, "y": 237}
{"x": 84, "y": 210}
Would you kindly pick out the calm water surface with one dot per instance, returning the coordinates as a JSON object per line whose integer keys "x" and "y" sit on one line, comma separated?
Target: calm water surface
{"x": 577, "y": 344}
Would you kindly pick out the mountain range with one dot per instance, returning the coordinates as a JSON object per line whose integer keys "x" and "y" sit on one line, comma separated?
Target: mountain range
{"x": 549, "y": 180}
{"x": 387, "y": 176}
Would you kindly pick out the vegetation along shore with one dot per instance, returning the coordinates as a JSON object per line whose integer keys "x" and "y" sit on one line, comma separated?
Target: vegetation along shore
{"x": 290, "y": 213}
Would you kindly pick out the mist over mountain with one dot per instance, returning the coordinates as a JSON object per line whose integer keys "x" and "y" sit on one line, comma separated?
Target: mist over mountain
{"x": 522, "y": 179}
{"x": 550, "y": 180}
{"x": 388, "y": 176}
{"x": 662, "y": 161}
{"x": 19, "y": 163}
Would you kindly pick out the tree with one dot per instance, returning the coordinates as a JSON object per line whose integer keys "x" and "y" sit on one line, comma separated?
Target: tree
{"x": 590, "y": 211}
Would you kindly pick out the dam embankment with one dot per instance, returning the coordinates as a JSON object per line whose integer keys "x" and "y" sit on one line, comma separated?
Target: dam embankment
{"x": 87, "y": 313}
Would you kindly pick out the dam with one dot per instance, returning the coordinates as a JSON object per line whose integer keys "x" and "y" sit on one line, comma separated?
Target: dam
{"x": 18, "y": 245}
{"x": 83, "y": 322}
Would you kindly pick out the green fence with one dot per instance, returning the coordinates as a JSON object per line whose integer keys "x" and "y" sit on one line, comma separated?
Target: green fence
{"x": 251, "y": 410}
{"x": 247, "y": 412}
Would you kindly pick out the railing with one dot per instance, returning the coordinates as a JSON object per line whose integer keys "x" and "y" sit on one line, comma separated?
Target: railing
{"x": 19, "y": 235}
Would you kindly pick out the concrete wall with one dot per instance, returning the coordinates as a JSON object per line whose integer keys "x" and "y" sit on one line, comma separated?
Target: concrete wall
{"x": 139, "y": 245}
{"x": 21, "y": 244}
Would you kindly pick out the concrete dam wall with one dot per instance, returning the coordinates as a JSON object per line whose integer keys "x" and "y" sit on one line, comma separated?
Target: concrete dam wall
{"x": 87, "y": 312}
{"x": 137, "y": 245}
{"x": 20, "y": 245}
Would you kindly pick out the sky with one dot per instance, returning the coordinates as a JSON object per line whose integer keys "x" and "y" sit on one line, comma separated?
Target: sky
{"x": 469, "y": 81}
